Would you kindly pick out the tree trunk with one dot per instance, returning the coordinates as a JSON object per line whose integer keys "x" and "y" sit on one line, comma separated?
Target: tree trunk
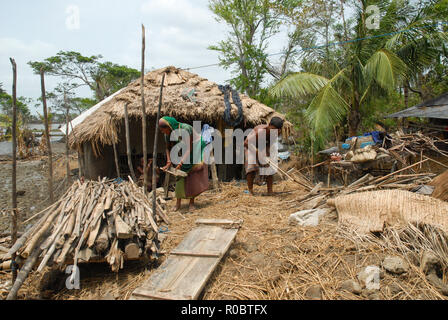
{"x": 47, "y": 136}
{"x": 354, "y": 118}
{"x": 14, "y": 167}
{"x": 406, "y": 94}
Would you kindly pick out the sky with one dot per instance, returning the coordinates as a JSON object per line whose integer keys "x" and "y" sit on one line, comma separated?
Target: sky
{"x": 178, "y": 33}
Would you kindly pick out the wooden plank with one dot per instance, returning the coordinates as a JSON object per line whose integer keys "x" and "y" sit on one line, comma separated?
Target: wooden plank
{"x": 209, "y": 254}
{"x": 186, "y": 271}
{"x": 218, "y": 222}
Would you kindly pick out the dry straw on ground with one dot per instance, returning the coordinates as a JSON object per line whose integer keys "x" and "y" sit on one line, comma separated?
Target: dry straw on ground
{"x": 269, "y": 259}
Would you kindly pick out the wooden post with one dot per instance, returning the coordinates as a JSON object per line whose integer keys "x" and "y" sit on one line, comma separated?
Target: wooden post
{"x": 117, "y": 166}
{"x": 67, "y": 150}
{"x": 166, "y": 184}
{"x": 214, "y": 172}
{"x": 312, "y": 160}
{"x": 142, "y": 93}
{"x": 47, "y": 136}
{"x": 128, "y": 141}
{"x": 14, "y": 168}
{"x": 154, "y": 153}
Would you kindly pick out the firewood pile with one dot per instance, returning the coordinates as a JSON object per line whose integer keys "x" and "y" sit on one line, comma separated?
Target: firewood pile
{"x": 94, "y": 221}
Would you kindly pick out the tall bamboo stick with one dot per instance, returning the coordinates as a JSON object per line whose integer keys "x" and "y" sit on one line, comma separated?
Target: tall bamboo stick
{"x": 14, "y": 167}
{"x": 47, "y": 136}
{"x": 128, "y": 141}
{"x": 142, "y": 88}
{"x": 117, "y": 166}
{"x": 154, "y": 153}
{"x": 67, "y": 150}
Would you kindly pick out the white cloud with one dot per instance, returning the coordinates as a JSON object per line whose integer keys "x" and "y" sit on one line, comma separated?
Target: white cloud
{"x": 180, "y": 13}
{"x": 180, "y": 32}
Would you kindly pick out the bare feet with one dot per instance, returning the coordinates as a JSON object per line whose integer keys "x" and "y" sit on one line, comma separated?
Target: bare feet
{"x": 191, "y": 207}
{"x": 178, "y": 203}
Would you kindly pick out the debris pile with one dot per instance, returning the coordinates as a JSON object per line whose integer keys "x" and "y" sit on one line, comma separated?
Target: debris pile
{"x": 94, "y": 221}
{"x": 415, "y": 143}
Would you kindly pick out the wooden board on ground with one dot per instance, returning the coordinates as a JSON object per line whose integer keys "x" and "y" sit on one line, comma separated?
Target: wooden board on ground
{"x": 186, "y": 271}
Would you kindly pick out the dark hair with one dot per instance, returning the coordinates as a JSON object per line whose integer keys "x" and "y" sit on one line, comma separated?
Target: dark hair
{"x": 276, "y": 122}
{"x": 163, "y": 125}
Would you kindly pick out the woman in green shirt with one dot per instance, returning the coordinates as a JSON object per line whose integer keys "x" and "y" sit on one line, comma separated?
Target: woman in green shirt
{"x": 197, "y": 180}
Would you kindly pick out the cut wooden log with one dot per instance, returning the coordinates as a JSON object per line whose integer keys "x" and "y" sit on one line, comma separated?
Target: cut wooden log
{"x": 102, "y": 241}
{"x": 132, "y": 250}
{"x": 5, "y": 265}
{"x": 124, "y": 231}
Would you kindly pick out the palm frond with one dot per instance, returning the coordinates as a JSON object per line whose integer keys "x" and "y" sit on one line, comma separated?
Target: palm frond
{"x": 298, "y": 85}
{"x": 385, "y": 67}
{"x": 325, "y": 110}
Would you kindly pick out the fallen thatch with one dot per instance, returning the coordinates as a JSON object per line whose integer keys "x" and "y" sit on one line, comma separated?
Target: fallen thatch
{"x": 206, "y": 104}
{"x": 371, "y": 211}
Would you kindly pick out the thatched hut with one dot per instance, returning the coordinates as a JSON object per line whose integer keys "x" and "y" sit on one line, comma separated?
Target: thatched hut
{"x": 186, "y": 96}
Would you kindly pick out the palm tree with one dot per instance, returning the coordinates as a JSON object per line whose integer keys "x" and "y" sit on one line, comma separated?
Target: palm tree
{"x": 365, "y": 70}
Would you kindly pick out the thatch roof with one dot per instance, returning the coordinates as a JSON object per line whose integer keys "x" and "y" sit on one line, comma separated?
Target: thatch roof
{"x": 436, "y": 108}
{"x": 101, "y": 125}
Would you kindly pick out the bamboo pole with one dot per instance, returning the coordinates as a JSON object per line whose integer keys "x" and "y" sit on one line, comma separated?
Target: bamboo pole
{"x": 14, "y": 167}
{"x": 117, "y": 166}
{"x": 396, "y": 172}
{"x": 24, "y": 271}
{"x": 214, "y": 172}
{"x": 142, "y": 90}
{"x": 128, "y": 142}
{"x": 67, "y": 149}
{"x": 154, "y": 164}
{"x": 47, "y": 136}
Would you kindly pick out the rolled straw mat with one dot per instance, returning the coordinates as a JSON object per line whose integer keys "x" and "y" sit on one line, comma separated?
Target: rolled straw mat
{"x": 371, "y": 211}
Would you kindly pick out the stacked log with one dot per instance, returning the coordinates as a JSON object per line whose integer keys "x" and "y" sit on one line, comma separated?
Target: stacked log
{"x": 93, "y": 221}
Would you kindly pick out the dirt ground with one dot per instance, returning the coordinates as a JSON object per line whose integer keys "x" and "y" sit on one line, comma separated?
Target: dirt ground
{"x": 32, "y": 184}
{"x": 269, "y": 259}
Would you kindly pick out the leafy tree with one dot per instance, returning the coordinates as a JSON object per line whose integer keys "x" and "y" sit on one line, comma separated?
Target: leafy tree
{"x": 112, "y": 77}
{"x": 82, "y": 104}
{"x": 359, "y": 72}
{"x": 103, "y": 78}
{"x": 22, "y": 105}
{"x": 252, "y": 23}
